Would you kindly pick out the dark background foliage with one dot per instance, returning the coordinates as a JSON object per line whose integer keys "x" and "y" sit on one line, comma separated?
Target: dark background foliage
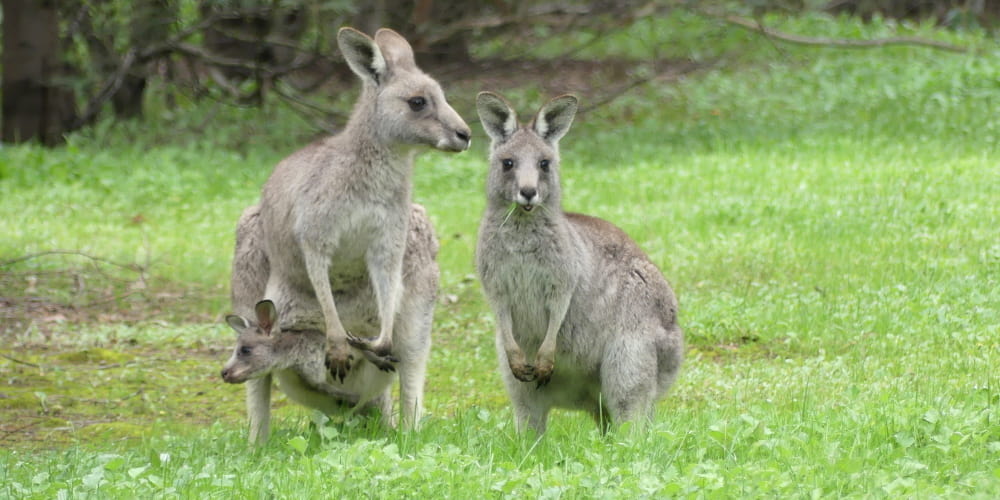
{"x": 67, "y": 62}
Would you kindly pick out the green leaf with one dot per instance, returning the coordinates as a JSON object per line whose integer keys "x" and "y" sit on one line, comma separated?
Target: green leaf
{"x": 114, "y": 464}
{"x": 904, "y": 439}
{"x": 299, "y": 444}
{"x": 135, "y": 472}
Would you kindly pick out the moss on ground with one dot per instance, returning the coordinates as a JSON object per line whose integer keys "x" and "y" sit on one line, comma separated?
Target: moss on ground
{"x": 54, "y": 396}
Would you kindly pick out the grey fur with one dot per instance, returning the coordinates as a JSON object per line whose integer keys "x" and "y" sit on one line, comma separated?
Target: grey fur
{"x": 297, "y": 360}
{"x": 299, "y": 365}
{"x": 567, "y": 287}
{"x": 332, "y": 241}
{"x": 334, "y": 214}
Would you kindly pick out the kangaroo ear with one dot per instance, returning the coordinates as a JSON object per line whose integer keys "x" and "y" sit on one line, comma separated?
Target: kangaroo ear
{"x": 362, "y": 55}
{"x": 267, "y": 315}
{"x": 553, "y": 120}
{"x": 238, "y": 323}
{"x": 396, "y": 51}
{"x": 499, "y": 119}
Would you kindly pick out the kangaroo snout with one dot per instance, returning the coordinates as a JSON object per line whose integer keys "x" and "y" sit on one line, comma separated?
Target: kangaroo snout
{"x": 458, "y": 141}
{"x": 527, "y": 197}
{"x": 226, "y": 375}
{"x": 232, "y": 375}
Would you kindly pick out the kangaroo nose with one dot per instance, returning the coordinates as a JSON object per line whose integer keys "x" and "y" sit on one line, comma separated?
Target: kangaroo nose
{"x": 224, "y": 373}
{"x": 463, "y": 135}
{"x": 528, "y": 193}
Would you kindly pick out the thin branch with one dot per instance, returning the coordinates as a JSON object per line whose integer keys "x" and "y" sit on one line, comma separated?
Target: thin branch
{"x": 108, "y": 300}
{"x": 273, "y": 41}
{"x": 110, "y": 88}
{"x": 554, "y": 14}
{"x": 844, "y": 43}
{"x": 310, "y": 110}
{"x": 130, "y": 267}
{"x": 26, "y": 426}
{"x": 638, "y": 82}
{"x": 18, "y": 361}
{"x": 118, "y": 365}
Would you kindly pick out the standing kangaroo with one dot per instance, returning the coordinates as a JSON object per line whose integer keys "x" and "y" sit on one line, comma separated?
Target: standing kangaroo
{"x": 567, "y": 286}
{"x": 332, "y": 226}
{"x": 296, "y": 369}
{"x": 298, "y": 361}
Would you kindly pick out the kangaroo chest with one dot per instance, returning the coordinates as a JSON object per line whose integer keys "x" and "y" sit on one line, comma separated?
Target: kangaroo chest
{"x": 374, "y": 232}
{"x": 531, "y": 283}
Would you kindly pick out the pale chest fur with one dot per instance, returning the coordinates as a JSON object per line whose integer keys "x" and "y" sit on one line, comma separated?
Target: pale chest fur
{"x": 527, "y": 274}
{"x": 350, "y": 209}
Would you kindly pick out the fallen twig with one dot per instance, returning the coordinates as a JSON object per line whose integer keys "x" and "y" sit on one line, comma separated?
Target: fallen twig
{"x": 22, "y": 362}
{"x": 130, "y": 267}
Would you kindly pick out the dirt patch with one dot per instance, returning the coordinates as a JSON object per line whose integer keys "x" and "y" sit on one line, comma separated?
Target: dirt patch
{"x": 46, "y": 299}
{"x": 55, "y": 397}
{"x": 60, "y": 388}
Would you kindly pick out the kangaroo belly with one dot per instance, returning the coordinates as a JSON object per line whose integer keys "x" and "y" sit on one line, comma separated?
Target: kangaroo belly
{"x": 363, "y": 384}
{"x": 321, "y": 398}
{"x": 529, "y": 289}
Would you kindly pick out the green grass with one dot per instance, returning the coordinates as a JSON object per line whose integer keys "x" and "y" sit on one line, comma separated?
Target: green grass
{"x": 828, "y": 218}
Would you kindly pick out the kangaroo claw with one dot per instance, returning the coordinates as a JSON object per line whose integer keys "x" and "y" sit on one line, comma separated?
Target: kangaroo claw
{"x": 384, "y": 363}
{"x": 524, "y": 373}
{"x": 543, "y": 371}
{"x": 368, "y": 344}
{"x": 381, "y": 357}
{"x": 339, "y": 363}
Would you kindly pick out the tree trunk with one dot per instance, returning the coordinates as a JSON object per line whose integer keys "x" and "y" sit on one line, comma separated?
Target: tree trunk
{"x": 34, "y": 107}
{"x": 151, "y": 20}
{"x": 127, "y": 101}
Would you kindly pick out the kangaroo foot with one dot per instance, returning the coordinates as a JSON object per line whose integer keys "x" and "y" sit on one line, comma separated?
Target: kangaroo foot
{"x": 379, "y": 355}
{"x": 339, "y": 360}
{"x": 384, "y": 363}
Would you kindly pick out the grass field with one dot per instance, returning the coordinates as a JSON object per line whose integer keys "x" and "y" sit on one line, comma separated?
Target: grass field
{"x": 828, "y": 218}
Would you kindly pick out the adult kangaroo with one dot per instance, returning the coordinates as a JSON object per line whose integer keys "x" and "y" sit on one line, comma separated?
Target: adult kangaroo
{"x": 572, "y": 290}
{"x": 334, "y": 220}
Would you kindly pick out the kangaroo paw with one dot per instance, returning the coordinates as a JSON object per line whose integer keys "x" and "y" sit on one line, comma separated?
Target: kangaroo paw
{"x": 339, "y": 362}
{"x": 543, "y": 381}
{"x": 543, "y": 370}
{"x": 523, "y": 372}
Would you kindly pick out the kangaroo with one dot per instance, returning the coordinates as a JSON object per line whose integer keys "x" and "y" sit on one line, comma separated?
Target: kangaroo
{"x": 365, "y": 381}
{"x": 298, "y": 361}
{"x": 334, "y": 215}
{"x": 333, "y": 228}
{"x": 567, "y": 286}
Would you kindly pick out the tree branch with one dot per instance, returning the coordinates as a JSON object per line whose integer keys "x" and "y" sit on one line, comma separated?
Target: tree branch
{"x": 113, "y": 84}
{"x": 756, "y": 26}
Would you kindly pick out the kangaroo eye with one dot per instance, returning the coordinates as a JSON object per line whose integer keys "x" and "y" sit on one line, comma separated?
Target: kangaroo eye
{"x": 544, "y": 165}
{"x": 417, "y": 103}
{"x": 507, "y": 164}
{"x": 245, "y": 351}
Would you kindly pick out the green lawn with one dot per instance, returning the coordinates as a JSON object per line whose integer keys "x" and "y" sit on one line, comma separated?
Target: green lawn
{"x": 828, "y": 218}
